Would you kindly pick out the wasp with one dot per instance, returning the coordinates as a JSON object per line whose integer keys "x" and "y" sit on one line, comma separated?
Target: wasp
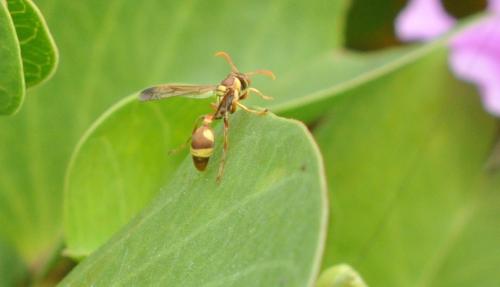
{"x": 228, "y": 96}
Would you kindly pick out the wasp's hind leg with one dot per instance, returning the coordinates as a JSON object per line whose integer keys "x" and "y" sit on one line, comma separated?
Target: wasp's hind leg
{"x": 179, "y": 148}
{"x": 260, "y": 113}
{"x": 197, "y": 124}
{"x": 224, "y": 149}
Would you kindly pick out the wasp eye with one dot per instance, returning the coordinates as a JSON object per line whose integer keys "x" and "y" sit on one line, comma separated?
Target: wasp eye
{"x": 245, "y": 81}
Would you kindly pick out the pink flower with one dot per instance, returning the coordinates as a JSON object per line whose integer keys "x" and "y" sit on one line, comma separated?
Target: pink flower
{"x": 475, "y": 52}
{"x": 475, "y": 57}
{"x": 494, "y": 6}
{"x": 423, "y": 20}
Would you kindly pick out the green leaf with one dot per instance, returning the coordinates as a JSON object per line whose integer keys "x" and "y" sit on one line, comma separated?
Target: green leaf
{"x": 341, "y": 275}
{"x": 371, "y": 26}
{"x": 38, "y": 50}
{"x": 27, "y": 48}
{"x": 334, "y": 73}
{"x": 309, "y": 92}
{"x": 415, "y": 203}
{"x": 296, "y": 94}
{"x": 301, "y": 96}
{"x": 263, "y": 225}
{"x": 120, "y": 164}
{"x": 177, "y": 116}
{"x": 11, "y": 71}
{"x": 115, "y": 48}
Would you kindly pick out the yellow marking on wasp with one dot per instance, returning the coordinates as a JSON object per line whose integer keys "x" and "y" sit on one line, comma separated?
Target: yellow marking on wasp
{"x": 209, "y": 135}
{"x": 221, "y": 90}
{"x": 202, "y": 152}
{"x": 237, "y": 84}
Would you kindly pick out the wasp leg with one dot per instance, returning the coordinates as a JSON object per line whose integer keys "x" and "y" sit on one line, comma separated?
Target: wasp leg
{"x": 259, "y": 93}
{"x": 224, "y": 150}
{"x": 188, "y": 141}
{"x": 179, "y": 148}
{"x": 261, "y": 112}
{"x": 198, "y": 122}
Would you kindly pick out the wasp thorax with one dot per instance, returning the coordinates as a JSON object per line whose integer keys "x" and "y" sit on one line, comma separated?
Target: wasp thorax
{"x": 202, "y": 146}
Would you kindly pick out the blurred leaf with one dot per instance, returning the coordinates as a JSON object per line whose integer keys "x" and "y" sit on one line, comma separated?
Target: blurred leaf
{"x": 12, "y": 270}
{"x": 370, "y": 24}
{"x": 341, "y": 275}
{"x": 27, "y": 47}
{"x": 460, "y": 9}
{"x": 38, "y": 49}
{"x": 263, "y": 226}
{"x": 414, "y": 203}
{"x": 11, "y": 71}
{"x": 309, "y": 93}
{"x": 334, "y": 75}
{"x": 113, "y": 48}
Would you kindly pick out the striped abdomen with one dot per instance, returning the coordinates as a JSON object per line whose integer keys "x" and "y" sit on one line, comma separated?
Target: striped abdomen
{"x": 202, "y": 146}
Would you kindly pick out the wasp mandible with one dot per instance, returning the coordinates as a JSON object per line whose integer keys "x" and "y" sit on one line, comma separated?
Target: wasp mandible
{"x": 228, "y": 94}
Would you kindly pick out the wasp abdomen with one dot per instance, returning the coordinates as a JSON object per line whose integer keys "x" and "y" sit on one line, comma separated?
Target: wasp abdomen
{"x": 202, "y": 146}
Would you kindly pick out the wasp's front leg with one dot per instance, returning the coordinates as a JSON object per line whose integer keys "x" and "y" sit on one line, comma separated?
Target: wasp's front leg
{"x": 262, "y": 112}
{"x": 214, "y": 106}
{"x": 259, "y": 93}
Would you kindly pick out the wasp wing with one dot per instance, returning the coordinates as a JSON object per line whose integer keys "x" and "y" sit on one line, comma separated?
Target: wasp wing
{"x": 175, "y": 90}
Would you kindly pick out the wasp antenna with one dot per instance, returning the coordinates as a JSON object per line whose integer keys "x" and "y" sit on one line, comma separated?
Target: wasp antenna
{"x": 262, "y": 72}
{"x": 228, "y": 59}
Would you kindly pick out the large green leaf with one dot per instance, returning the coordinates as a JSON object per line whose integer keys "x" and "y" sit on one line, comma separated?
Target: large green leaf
{"x": 414, "y": 201}
{"x": 160, "y": 126}
{"x": 264, "y": 225}
{"x": 113, "y": 48}
{"x": 304, "y": 93}
{"x": 11, "y": 70}
{"x": 38, "y": 49}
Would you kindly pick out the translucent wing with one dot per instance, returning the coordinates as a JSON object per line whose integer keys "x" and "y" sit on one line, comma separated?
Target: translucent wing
{"x": 173, "y": 90}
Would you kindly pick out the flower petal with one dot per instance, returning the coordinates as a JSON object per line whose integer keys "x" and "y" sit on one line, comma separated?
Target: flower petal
{"x": 475, "y": 57}
{"x": 423, "y": 20}
{"x": 494, "y": 6}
